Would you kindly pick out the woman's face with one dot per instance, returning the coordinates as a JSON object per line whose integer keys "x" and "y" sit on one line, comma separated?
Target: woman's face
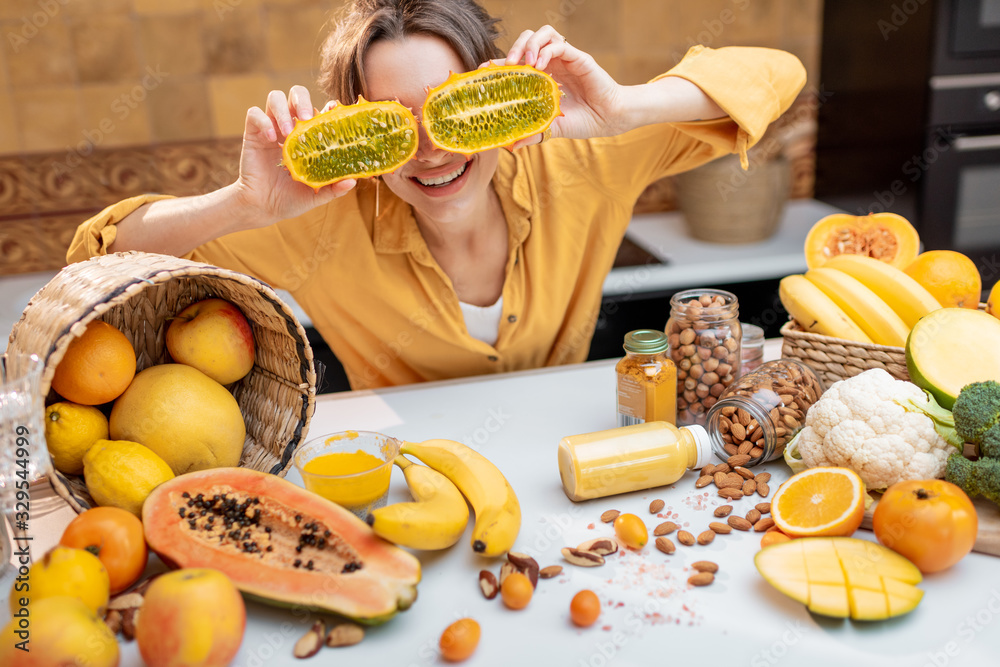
{"x": 440, "y": 185}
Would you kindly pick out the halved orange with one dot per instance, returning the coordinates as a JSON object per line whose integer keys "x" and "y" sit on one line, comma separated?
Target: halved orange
{"x": 490, "y": 107}
{"x": 350, "y": 141}
{"x": 820, "y": 502}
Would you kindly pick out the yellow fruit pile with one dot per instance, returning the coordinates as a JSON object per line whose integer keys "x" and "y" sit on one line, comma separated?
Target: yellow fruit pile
{"x": 872, "y": 299}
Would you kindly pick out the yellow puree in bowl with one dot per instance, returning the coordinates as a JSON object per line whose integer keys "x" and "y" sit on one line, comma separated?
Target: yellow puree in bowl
{"x": 352, "y": 492}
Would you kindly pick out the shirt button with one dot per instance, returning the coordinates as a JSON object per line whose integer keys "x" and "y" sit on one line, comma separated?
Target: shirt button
{"x": 512, "y": 318}
{"x": 493, "y": 357}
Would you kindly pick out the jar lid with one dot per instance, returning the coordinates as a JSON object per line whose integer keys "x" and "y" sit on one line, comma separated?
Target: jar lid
{"x": 752, "y": 333}
{"x": 702, "y": 443}
{"x": 645, "y": 341}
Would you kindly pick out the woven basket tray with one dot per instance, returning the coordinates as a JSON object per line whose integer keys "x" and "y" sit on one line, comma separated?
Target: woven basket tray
{"x": 137, "y": 293}
{"x": 836, "y": 359}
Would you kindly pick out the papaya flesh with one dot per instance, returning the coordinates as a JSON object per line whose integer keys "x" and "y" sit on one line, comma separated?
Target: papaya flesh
{"x": 887, "y": 237}
{"x": 490, "y": 107}
{"x": 279, "y": 543}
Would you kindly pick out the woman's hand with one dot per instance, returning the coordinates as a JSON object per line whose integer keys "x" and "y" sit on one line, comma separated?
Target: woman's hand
{"x": 592, "y": 105}
{"x": 264, "y": 188}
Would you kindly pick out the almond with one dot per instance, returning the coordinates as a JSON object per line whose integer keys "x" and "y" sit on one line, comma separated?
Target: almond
{"x": 743, "y": 416}
{"x": 753, "y": 516}
{"x": 744, "y": 447}
{"x": 701, "y": 579}
{"x": 739, "y": 433}
{"x": 723, "y": 510}
{"x": 706, "y": 537}
{"x": 763, "y": 508}
{"x": 705, "y": 566}
{"x": 723, "y": 467}
{"x": 550, "y": 571}
{"x": 610, "y": 516}
{"x": 764, "y": 477}
{"x": 665, "y": 545}
{"x": 664, "y": 528}
{"x": 685, "y": 538}
{"x": 311, "y": 642}
{"x": 703, "y": 481}
{"x": 602, "y": 546}
{"x": 708, "y": 470}
{"x": 745, "y": 473}
{"x": 719, "y": 478}
{"x": 656, "y": 506}
{"x": 739, "y": 460}
{"x": 582, "y": 558}
{"x": 731, "y": 494}
{"x": 345, "y": 634}
{"x": 749, "y": 486}
{"x": 763, "y": 524}
{"x": 728, "y": 482}
{"x": 763, "y": 489}
{"x": 720, "y": 528}
{"x": 739, "y": 523}
{"x": 488, "y": 584}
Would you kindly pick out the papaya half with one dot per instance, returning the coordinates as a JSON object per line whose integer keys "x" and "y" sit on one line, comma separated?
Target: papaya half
{"x": 279, "y": 544}
{"x": 887, "y": 237}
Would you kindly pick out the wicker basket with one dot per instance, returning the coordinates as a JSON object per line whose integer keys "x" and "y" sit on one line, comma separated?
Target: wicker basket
{"x": 836, "y": 359}
{"x": 137, "y": 293}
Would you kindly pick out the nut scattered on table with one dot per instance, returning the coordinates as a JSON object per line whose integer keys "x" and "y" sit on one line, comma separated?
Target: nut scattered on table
{"x": 665, "y": 545}
{"x": 526, "y": 565}
{"x": 602, "y": 546}
{"x": 311, "y": 642}
{"x": 582, "y": 558}
{"x": 664, "y": 528}
{"x": 656, "y": 506}
{"x": 701, "y": 579}
{"x": 550, "y": 571}
{"x": 610, "y": 516}
{"x": 723, "y": 511}
{"x": 345, "y": 634}
{"x": 763, "y": 508}
{"x": 739, "y": 523}
{"x": 762, "y": 525}
{"x": 685, "y": 538}
{"x": 705, "y": 566}
{"x": 720, "y": 528}
{"x": 488, "y": 584}
{"x": 705, "y": 537}
{"x": 753, "y": 516}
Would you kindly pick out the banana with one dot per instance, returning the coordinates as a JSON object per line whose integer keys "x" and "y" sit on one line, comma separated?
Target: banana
{"x": 815, "y": 311}
{"x": 435, "y": 521}
{"x": 862, "y": 305}
{"x": 908, "y": 298}
{"x": 498, "y": 514}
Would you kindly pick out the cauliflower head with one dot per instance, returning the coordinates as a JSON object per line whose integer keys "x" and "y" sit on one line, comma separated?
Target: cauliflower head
{"x": 857, "y": 423}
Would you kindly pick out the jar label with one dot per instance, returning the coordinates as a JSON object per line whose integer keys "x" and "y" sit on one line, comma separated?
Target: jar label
{"x": 631, "y": 401}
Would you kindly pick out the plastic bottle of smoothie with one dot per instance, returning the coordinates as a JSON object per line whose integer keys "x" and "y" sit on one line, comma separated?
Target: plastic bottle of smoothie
{"x": 630, "y": 458}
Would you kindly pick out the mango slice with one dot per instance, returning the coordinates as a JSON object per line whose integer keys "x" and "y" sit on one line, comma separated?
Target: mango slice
{"x": 843, "y": 577}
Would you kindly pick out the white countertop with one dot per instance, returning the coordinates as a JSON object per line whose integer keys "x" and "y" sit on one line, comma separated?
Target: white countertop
{"x": 649, "y": 614}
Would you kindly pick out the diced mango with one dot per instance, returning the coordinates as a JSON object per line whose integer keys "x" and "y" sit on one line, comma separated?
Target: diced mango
{"x": 797, "y": 589}
{"x": 867, "y": 579}
{"x": 901, "y": 598}
{"x": 868, "y": 605}
{"x": 829, "y": 600}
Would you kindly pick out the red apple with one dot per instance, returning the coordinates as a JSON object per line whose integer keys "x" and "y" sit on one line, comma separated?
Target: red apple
{"x": 213, "y": 336}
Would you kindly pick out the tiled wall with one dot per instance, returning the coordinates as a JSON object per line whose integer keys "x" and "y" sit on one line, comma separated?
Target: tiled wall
{"x": 92, "y": 89}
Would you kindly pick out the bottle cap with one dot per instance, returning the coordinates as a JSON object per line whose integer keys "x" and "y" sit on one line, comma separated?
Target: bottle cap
{"x": 646, "y": 341}
{"x": 702, "y": 443}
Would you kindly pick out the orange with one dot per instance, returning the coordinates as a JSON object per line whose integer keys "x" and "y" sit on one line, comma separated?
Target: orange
{"x": 993, "y": 303}
{"x": 951, "y": 277}
{"x": 98, "y": 366}
{"x": 819, "y": 502}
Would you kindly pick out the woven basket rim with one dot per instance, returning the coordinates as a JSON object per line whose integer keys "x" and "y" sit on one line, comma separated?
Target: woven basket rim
{"x": 791, "y": 329}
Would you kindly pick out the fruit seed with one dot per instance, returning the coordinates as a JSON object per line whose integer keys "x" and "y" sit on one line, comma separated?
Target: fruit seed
{"x": 582, "y": 558}
{"x": 345, "y": 634}
{"x": 685, "y": 538}
{"x": 664, "y": 528}
{"x": 723, "y": 510}
{"x": 610, "y": 516}
{"x": 701, "y": 579}
{"x": 665, "y": 545}
{"x": 739, "y": 523}
{"x": 705, "y": 537}
{"x": 656, "y": 506}
{"x": 488, "y": 584}
{"x": 550, "y": 571}
{"x": 705, "y": 566}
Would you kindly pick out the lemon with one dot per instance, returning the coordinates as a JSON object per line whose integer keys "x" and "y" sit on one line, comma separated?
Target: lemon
{"x": 70, "y": 430}
{"x": 63, "y": 632}
{"x": 120, "y": 473}
{"x": 64, "y": 572}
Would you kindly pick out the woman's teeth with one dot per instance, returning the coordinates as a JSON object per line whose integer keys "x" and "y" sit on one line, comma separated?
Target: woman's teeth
{"x": 442, "y": 180}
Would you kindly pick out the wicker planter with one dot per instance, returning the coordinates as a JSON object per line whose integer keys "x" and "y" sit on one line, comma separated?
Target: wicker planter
{"x": 137, "y": 293}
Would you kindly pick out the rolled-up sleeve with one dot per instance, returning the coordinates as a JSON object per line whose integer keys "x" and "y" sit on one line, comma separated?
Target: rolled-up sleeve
{"x": 95, "y": 235}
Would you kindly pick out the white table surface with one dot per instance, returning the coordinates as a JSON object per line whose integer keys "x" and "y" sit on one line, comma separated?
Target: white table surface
{"x": 650, "y": 615}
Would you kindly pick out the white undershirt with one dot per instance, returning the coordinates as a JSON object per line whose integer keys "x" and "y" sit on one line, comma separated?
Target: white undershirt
{"x": 483, "y": 322}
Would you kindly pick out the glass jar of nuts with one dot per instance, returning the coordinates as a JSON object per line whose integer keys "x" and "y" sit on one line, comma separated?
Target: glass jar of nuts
{"x": 704, "y": 336}
{"x": 763, "y": 410}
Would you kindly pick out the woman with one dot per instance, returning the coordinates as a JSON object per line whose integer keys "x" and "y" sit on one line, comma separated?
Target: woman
{"x": 455, "y": 265}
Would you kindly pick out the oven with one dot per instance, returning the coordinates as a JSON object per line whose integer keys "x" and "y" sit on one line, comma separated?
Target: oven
{"x": 959, "y": 204}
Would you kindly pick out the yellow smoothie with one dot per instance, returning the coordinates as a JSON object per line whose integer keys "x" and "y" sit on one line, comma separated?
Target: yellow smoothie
{"x": 349, "y": 488}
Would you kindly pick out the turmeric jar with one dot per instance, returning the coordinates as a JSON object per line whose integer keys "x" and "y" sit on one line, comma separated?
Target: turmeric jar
{"x": 647, "y": 380}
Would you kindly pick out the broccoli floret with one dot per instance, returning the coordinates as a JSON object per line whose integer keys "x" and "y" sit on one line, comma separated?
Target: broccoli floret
{"x": 977, "y": 410}
{"x": 976, "y": 478}
{"x": 989, "y": 446}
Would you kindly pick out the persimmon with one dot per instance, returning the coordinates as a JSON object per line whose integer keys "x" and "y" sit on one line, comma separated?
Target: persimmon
{"x": 931, "y": 522}
{"x": 113, "y": 535}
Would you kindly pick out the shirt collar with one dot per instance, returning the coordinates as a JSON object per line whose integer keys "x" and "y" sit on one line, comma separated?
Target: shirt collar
{"x": 395, "y": 229}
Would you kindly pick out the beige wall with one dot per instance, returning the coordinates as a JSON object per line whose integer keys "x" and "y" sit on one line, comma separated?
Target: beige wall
{"x": 118, "y": 73}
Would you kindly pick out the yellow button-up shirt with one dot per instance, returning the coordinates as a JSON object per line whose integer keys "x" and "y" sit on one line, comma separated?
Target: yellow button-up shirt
{"x": 391, "y": 315}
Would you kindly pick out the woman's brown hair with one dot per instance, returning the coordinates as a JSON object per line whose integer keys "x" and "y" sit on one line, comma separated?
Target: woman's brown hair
{"x": 466, "y": 26}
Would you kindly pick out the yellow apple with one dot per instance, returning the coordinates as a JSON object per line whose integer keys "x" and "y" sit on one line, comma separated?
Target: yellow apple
{"x": 842, "y": 577}
{"x": 213, "y": 336}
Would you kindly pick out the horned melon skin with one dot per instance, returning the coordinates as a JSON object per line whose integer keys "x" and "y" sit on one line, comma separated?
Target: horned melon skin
{"x": 490, "y": 107}
{"x": 350, "y": 141}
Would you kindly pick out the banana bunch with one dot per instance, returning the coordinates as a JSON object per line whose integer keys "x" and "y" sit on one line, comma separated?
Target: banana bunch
{"x": 857, "y": 298}
{"x": 438, "y": 516}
